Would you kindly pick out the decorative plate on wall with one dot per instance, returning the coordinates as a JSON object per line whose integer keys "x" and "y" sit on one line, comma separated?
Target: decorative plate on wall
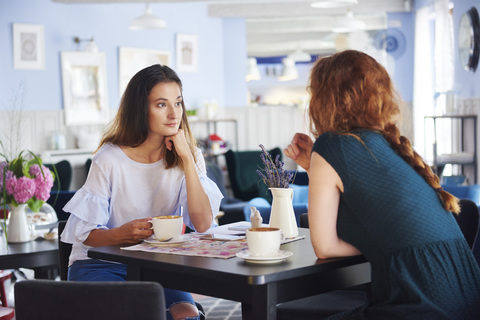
{"x": 393, "y": 41}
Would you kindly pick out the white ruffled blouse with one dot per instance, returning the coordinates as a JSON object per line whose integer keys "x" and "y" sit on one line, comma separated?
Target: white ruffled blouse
{"x": 119, "y": 190}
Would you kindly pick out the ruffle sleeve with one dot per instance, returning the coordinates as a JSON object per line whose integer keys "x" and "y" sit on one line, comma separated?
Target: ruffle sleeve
{"x": 89, "y": 207}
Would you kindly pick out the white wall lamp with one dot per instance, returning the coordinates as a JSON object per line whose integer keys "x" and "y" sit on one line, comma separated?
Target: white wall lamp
{"x": 253, "y": 72}
{"x": 289, "y": 71}
{"x": 348, "y": 23}
{"x": 147, "y": 21}
{"x": 333, "y": 3}
{"x": 90, "y": 47}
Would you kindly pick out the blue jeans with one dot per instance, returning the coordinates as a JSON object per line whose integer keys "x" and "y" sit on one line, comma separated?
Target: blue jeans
{"x": 97, "y": 270}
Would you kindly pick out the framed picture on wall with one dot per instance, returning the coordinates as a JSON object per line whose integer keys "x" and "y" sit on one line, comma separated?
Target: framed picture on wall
{"x": 28, "y": 46}
{"x": 187, "y": 53}
{"x": 133, "y": 60}
{"x": 84, "y": 81}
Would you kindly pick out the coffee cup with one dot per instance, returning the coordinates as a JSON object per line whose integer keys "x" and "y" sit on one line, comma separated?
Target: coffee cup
{"x": 264, "y": 242}
{"x": 167, "y": 227}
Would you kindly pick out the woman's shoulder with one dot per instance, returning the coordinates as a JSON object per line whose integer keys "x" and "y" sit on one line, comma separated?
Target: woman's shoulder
{"x": 107, "y": 153}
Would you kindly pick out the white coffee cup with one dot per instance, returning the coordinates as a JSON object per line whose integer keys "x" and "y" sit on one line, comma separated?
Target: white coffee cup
{"x": 167, "y": 227}
{"x": 264, "y": 242}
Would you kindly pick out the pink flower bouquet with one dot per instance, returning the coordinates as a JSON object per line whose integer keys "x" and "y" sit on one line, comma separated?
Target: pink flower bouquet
{"x": 25, "y": 181}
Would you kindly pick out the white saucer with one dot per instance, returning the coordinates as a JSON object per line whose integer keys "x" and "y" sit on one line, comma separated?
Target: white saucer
{"x": 173, "y": 242}
{"x": 279, "y": 257}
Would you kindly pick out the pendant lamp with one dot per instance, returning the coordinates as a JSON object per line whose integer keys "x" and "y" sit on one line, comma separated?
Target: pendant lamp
{"x": 300, "y": 56}
{"x": 147, "y": 21}
{"x": 253, "y": 73}
{"x": 348, "y": 24}
{"x": 289, "y": 71}
{"x": 333, "y": 3}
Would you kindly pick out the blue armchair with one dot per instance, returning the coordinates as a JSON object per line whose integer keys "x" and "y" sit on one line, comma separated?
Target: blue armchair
{"x": 300, "y": 204}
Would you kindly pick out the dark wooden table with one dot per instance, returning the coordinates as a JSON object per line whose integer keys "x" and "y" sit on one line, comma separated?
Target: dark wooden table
{"x": 40, "y": 255}
{"x": 258, "y": 287}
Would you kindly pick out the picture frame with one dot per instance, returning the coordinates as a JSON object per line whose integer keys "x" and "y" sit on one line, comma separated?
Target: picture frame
{"x": 84, "y": 81}
{"x": 132, "y": 60}
{"x": 187, "y": 52}
{"x": 28, "y": 46}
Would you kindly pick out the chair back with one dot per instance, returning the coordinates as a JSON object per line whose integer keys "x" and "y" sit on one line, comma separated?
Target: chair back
{"x": 242, "y": 171}
{"x": 64, "y": 175}
{"x": 80, "y": 300}
{"x": 64, "y": 250}
{"x": 468, "y": 220}
{"x": 215, "y": 174}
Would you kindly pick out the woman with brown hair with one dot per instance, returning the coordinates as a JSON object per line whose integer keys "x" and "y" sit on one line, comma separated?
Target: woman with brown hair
{"x": 370, "y": 193}
{"x": 147, "y": 165}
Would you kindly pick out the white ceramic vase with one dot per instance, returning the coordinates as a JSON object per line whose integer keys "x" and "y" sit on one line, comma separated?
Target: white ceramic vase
{"x": 282, "y": 215}
{"x": 18, "y": 228}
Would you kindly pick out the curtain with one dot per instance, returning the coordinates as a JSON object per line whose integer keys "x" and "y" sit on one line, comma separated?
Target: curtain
{"x": 422, "y": 83}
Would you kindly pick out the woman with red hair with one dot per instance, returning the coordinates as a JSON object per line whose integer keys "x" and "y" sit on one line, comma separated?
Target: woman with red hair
{"x": 370, "y": 193}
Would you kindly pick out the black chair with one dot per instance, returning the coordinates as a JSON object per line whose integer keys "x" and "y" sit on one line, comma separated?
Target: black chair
{"x": 242, "y": 171}
{"x": 64, "y": 250}
{"x": 78, "y": 300}
{"x": 231, "y": 206}
{"x": 58, "y": 199}
{"x": 327, "y": 304}
{"x": 468, "y": 220}
{"x": 63, "y": 177}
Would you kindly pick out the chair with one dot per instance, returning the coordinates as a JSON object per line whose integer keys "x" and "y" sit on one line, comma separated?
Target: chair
{"x": 6, "y": 313}
{"x": 324, "y": 305}
{"x": 231, "y": 206}
{"x": 63, "y": 177}
{"x": 471, "y": 192}
{"x": 58, "y": 199}
{"x": 78, "y": 300}
{"x": 468, "y": 220}
{"x": 64, "y": 250}
{"x": 242, "y": 171}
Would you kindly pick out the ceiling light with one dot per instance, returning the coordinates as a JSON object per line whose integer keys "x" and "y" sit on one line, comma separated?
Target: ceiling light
{"x": 253, "y": 73}
{"x": 348, "y": 24}
{"x": 289, "y": 71}
{"x": 147, "y": 21}
{"x": 333, "y": 3}
{"x": 300, "y": 56}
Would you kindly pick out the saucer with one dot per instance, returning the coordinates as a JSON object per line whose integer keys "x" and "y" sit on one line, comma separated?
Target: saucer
{"x": 172, "y": 242}
{"x": 279, "y": 257}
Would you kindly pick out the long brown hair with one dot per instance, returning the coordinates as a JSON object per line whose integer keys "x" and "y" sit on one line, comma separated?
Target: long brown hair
{"x": 349, "y": 91}
{"x": 130, "y": 126}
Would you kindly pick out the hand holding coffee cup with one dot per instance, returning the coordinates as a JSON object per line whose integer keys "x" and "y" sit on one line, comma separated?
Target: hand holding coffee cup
{"x": 264, "y": 242}
{"x": 167, "y": 227}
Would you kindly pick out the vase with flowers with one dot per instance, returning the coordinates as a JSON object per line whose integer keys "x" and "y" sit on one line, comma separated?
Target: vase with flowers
{"x": 25, "y": 182}
{"x": 278, "y": 181}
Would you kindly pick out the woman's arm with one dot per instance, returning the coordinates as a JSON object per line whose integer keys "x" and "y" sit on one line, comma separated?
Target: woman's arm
{"x": 325, "y": 186}
{"x": 199, "y": 208}
{"x": 131, "y": 232}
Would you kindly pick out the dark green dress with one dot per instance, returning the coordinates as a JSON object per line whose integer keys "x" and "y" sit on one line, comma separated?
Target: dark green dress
{"x": 422, "y": 267}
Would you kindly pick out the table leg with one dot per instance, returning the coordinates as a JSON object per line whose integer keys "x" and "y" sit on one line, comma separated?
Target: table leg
{"x": 263, "y": 305}
{"x": 46, "y": 273}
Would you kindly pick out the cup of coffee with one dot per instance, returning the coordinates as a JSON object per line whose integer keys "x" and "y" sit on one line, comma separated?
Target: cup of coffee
{"x": 167, "y": 227}
{"x": 264, "y": 242}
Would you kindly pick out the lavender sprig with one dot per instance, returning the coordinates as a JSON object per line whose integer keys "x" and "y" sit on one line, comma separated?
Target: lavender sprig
{"x": 274, "y": 175}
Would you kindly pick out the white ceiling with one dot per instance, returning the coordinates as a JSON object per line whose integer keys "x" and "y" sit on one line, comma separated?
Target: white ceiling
{"x": 278, "y": 27}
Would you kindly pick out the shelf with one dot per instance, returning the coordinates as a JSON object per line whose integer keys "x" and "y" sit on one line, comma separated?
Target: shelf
{"x": 462, "y": 157}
